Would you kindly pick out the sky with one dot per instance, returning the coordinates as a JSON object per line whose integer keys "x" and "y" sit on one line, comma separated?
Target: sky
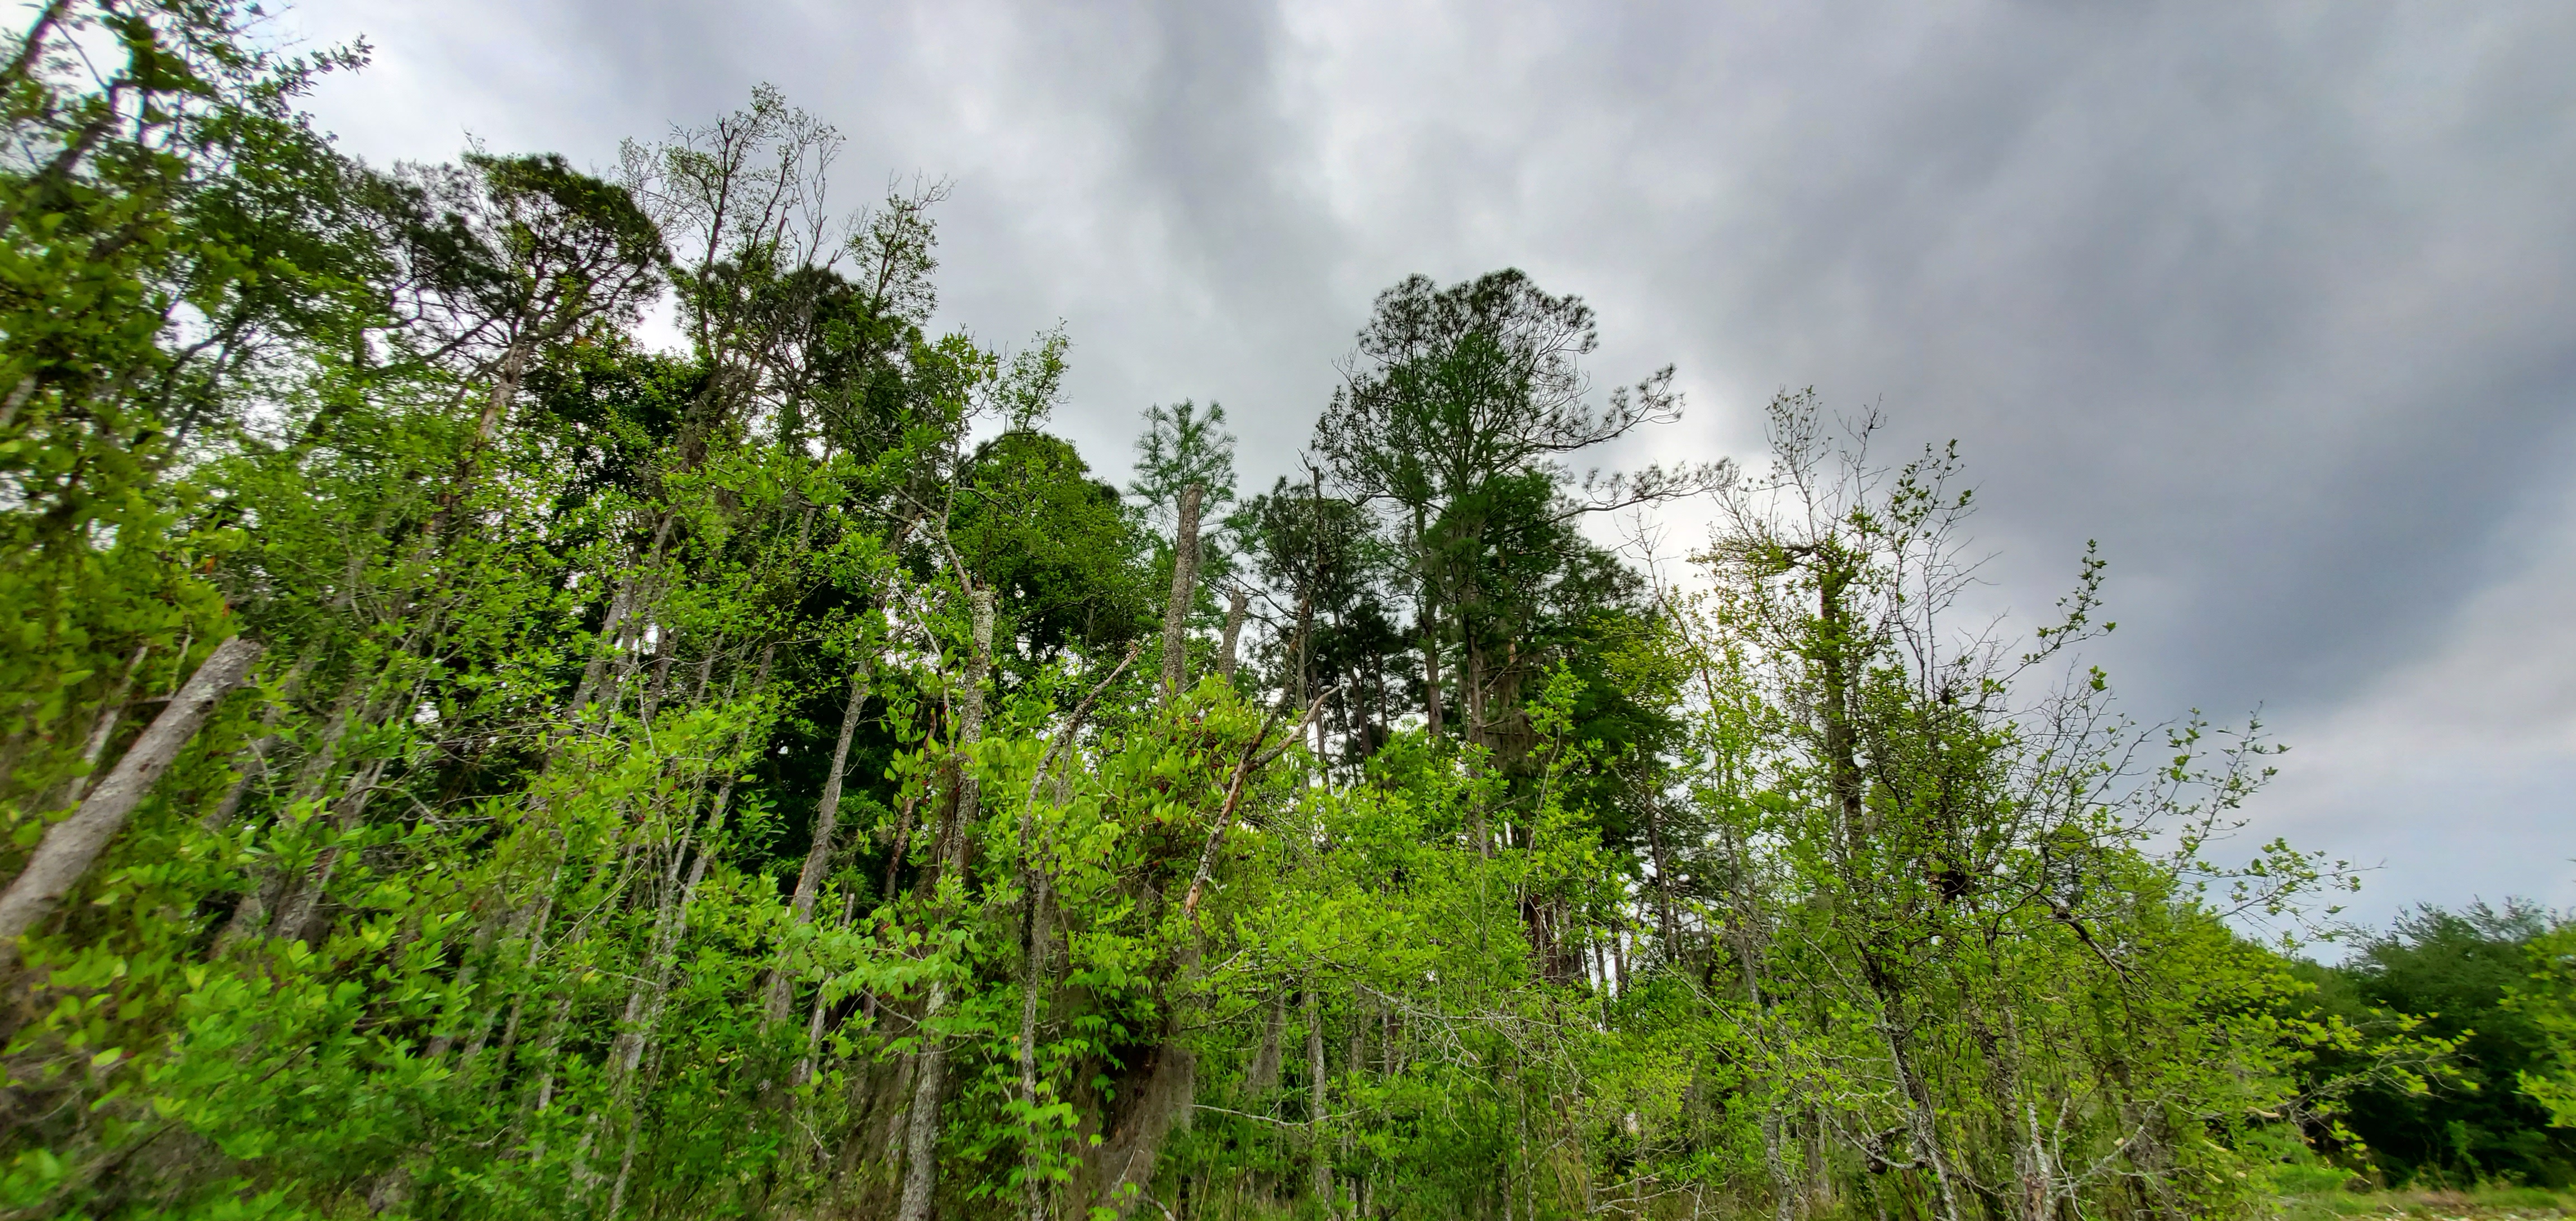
{"x": 2272, "y": 300}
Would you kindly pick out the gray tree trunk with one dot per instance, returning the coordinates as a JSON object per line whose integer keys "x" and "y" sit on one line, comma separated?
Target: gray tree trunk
{"x": 1235, "y": 605}
{"x": 1263, "y": 1076}
{"x": 103, "y": 729}
{"x": 71, "y": 846}
{"x": 1185, "y": 587}
{"x": 921, "y": 1130}
{"x": 1315, "y": 1084}
{"x": 809, "y": 883}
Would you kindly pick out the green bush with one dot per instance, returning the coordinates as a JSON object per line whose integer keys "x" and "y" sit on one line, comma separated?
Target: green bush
{"x": 2311, "y": 1179}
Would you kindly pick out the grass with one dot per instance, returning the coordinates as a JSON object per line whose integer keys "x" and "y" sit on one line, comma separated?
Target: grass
{"x": 2483, "y": 1204}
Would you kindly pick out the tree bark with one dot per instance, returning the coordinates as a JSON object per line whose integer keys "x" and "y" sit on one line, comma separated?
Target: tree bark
{"x": 296, "y": 919}
{"x": 1426, "y": 617}
{"x": 536, "y": 951}
{"x": 71, "y": 846}
{"x": 1667, "y": 922}
{"x": 921, "y": 1129}
{"x": 250, "y": 916}
{"x": 814, "y": 1018}
{"x": 625, "y": 600}
{"x": 1185, "y": 587}
{"x": 644, "y": 1001}
{"x": 1835, "y": 664}
{"x": 1263, "y": 1076}
{"x": 1032, "y": 981}
{"x": 253, "y": 760}
{"x": 1235, "y": 605}
{"x": 1471, "y": 682}
{"x": 1038, "y": 881}
{"x": 646, "y": 998}
{"x": 809, "y": 882}
{"x": 103, "y": 729}
{"x": 921, "y": 1126}
{"x": 1159, "y": 1098}
{"x": 1323, "y": 1167}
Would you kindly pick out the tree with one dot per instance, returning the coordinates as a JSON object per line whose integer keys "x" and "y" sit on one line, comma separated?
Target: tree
{"x": 1035, "y": 525}
{"x": 2456, "y": 975}
{"x": 1179, "y": 447}
{"x": 1459, "y": 407}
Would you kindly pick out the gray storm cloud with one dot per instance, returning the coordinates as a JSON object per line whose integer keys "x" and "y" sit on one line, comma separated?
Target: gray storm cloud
{"x": 2271, "y": 299}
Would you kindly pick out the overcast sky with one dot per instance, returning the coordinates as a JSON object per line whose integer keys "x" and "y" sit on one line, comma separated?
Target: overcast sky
{"x": 2271, "y": 299}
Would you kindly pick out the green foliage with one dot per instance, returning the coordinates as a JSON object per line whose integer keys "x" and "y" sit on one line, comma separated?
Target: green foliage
{"x": 2546, "y": 1002}
{"x": 1181, "y": 446}
{"x": 708, "y": 782}
{"x": 2473, "y": 979}
{"x": 1032, "y": 523}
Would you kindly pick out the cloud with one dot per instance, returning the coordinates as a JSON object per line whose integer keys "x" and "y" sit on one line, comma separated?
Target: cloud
{"x": 2273, "y": 299}
{"x": 2459, "y": 762}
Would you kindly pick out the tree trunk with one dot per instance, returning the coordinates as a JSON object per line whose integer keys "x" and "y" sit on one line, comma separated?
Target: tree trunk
{"x": 253, "y": 762}
{"x": 1356, "y": 1051}
{"x": 1263, "y": 1076}
{"x": 1431, "y": 683}
{"x": 1923, "y": 1120}
{"x": 534, "y": 927}
{"x": 72, "y": 845}
{"x": 1667, "y": 922}
{"x": 1471, "y": 682}
{"x": 646, "y": 999}
{"x": 1323, "y": 1168}
{"x": 109, "y": 713}
{"x": 1032, "y": 981}
{"x": 1236, "y": 603}
{"x": 809, "y": 882}
{"x": 814, "y": 1020}
{"x": 1185, "y": 588}
{"x": 921, "y": 1135}
{"x": 921, "y": 1126}
{"x": 250, "y": 916}
{"x": 296, "y": 919}
{"x": 1158, "y": 1098}
{"x": 505, "y": 389}
{"x": 1841, "y": 740}
{"x": 1426, "y": 615}
{"x": 626, "y": 600}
